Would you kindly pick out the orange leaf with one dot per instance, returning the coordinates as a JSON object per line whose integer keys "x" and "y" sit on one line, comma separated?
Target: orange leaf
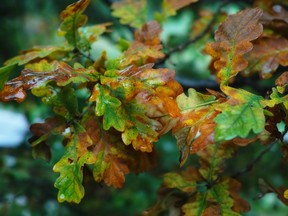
{"x": 282, "y": 80}
{"x": 233, "y": 41}
{"x": 146, "y": 47}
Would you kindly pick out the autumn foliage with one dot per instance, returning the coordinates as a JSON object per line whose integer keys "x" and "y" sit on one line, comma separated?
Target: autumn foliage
{"x": 133, "y": 100}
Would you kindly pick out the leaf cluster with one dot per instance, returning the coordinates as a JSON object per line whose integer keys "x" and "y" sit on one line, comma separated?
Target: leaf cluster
{"x": 133, "y": 100}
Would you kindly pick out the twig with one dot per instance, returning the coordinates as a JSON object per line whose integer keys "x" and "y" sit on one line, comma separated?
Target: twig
{"x": 252, "y": 163}
{"x": 199, "y": 85}
{"x": 195, "y": 39}
{"x": 85, "y": 55}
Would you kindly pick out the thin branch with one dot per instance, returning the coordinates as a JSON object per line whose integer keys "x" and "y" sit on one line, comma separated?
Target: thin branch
{"x": 199, "y": 85}
{"x": 195, "y": 39}
{"x": 85, "y": 55}
{"x": 252, "y": 163}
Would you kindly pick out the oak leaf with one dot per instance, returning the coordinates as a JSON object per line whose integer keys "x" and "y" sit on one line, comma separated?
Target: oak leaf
{"x": 241, "y": 114}
{"x": 131, "y": 12}
{"x": 267, "y": 55}
{"x": 146, "y": 48}
{"x": 72, "y": 19}
{"x": 70, "y": 166}
{"x": 233, "y": 40}
{"x": 195, "y": 130}
{"x": 113, "y": 158}
{"x": 40, "y": 74}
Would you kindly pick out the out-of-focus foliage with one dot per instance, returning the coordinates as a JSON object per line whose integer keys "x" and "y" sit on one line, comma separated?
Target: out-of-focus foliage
{"x": 111, "y": 103}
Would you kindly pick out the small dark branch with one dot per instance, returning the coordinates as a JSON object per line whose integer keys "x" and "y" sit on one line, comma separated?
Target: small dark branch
{"x": 195, "y": 39}
{"x": 87, "y": 56}
{"x": 252, "y": 163}
{"x": 79, "y": 52}
{"x": 79, "y": 117}
{"x": 199, "y": 85}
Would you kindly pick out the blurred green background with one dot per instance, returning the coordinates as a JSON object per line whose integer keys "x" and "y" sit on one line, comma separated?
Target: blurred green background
{"x": 26, "y": 184}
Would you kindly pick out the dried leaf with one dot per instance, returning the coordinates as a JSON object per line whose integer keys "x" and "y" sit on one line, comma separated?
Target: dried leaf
{"x": 41, "y": 74}
{"x": 267, "y": 55}
{"x": 233, "y": 41}
{"x": 282, "y": 80}
{"x": 41, "y": 131}
{"x": 146, "y": 48}
{"x": 113, "y": 158}
{"x": 178, "y": 4}
{"x": 139, "y": 102}
{"x": 195, "y": 130}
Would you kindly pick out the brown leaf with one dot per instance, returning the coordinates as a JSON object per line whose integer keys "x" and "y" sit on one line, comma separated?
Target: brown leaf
{"x": 178, "y": 4}
{"x": 41, "y": 132}
{"x": 243, "y": 141}
{"x": 281, "y": 194}
{"x": 113, "y": 158}
{"x": 240, "y": 205}
{"x": 267, "y": 55}
{"x": 201, "y": 23}
{"x": 77, "y": 7}
{"x": 51, "y": 125}
{"x": 214, "y": 210}
{"x": 194, "y": 132}
{"x": 233, "y": 41}
{"x": 146, "y": 47}
{"x": 272, "y": 121}
{"x": 59, "y": 72}
{"x": 282, "y": 80}
{"x": 275, "y": 13}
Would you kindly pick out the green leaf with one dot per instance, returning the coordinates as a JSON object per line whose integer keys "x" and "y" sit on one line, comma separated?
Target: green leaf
{"x": 72, "y": 20}
{"x": 70, "y": 166}
{"x": 69, "y": 100}
{"x": 221, "y": 194}
{"x": 131, "y": 12}
{"x": 39, "y": 52}
{"x": 241, "y": 114}
{"x": 174, "y": 180}
{"x": 276, "y": 98}
{"x": 140, "y": 130}
{"x": 108, "y": 107}
{"x": 70, "y": 180}
{"x": 170, "y": 7}
{"x": 4, "y": 74}
{"x": 195, "y": 207}
{"x": 91, "y": 33}
{"x": 194, "y": 100}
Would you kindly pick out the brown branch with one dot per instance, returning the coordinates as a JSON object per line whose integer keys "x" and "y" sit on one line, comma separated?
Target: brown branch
{"x": 252, "y": 163}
